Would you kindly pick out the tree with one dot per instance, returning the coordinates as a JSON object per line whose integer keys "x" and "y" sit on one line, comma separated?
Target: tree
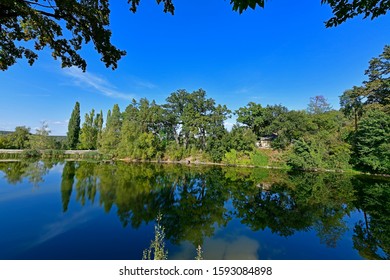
{"x": 41, "y": 139}
{"x": 89, "y": 132}
{"x": 260, "y": 119}
{"x": 351, "y": 103}
{"x": 21, "y": 136}
{"x": 344, "y": 10}
{"x": 252, "y": 116}
{"x": 111, "y": 133}
{"x": 341, "y": 9}
{"x": 17, "y": 139}
{"x": 372, "y": 148}
{"x": 378, "y": 86}
{"x": 66, "y": 26}
{"x": 74, "y": 127}
{"x": 46, "y": 23}
{"x": 318, "y": 105}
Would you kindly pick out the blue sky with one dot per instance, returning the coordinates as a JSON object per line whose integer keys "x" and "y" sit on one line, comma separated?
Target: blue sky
{"x": 282, "y": 54}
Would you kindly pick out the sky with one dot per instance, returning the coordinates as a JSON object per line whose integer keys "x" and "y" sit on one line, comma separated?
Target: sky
{"x": 282, "y": 54}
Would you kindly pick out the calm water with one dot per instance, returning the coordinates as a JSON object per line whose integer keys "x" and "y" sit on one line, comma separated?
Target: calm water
{"x": 84, "y": 210}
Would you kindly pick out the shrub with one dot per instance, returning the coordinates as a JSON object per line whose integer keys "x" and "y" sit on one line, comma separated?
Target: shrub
{"x": 258, "y": 158}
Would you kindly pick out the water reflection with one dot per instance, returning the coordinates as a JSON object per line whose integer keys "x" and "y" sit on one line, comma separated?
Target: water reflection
{"x": 197, "y": 201}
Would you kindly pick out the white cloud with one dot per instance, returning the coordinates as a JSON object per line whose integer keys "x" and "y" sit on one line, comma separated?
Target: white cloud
{"x": 92, "y": 81}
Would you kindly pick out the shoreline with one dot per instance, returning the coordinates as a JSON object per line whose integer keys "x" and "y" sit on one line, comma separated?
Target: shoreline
{"x": 188, "y": 162}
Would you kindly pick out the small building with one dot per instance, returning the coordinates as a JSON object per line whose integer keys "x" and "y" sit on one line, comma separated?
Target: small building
{"x": 265, "y": 142}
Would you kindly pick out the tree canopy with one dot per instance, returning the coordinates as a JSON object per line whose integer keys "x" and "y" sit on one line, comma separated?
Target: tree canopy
{"x": 66, "y": 26}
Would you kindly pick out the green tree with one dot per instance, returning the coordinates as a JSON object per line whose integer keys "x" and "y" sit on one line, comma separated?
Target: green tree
{"x": 351, "y": 103}
{"x": 318, "y": 105}
{"x": 252, "y": 116}
{"x": 290, "y": 127}
{"x": 89, "y": 131}
{"x": 261, "y": 119}
{"x": 74, "y": 127}
{"x": 111, "y": 133}
{"x": 40, "y": 140}
{"x": 63, "y": 26}
{"x": 21, "y": 137}
{"x": 372, "y": 147}
{"x": 378, "y": 86}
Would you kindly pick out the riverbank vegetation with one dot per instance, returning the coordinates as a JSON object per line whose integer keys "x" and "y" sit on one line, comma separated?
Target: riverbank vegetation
{"x": 191, "y": 127}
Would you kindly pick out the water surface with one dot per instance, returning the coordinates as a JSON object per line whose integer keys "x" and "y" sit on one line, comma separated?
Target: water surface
{"x": 87, "y": 210}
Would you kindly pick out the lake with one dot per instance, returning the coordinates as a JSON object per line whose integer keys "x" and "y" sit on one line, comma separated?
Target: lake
{"x": 96, "y": 210}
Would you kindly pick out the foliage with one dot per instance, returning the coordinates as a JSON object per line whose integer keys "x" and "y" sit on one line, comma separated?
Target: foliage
{"x": 110, "y": 136}
{"x": 351, "y": 103}
{"x": 318, "y": 105}
{"x": 63, "y": 26}
{"x": 260, "y": 119}
{"x": 258, "y": 158}
{"x": 91, "y": 131}
{"x": 372, "y": 149}
{"x": 290, "y": 127}
{"x": 322, "y": 151}
{"x": 74, "y": 127}
{"x": 230, "y": 157}
{"x": 175, "y": 152}
{"x": 40, "y": 140}
{"x": 19, "y": 139}
{"x": 344, "y": 10}
{"x": 377, "y": 88}
{"x": 157, "y": 250}
{"x": 234, "y": 157}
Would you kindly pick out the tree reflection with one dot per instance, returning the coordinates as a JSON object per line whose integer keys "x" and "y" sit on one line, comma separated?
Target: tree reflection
{"x": 301, "y": 202}
{"x": 196, "y": 200}
{"x": 67, "y": 180}
{"x": 33, "y": 171}
{"x": 372, "y": 233}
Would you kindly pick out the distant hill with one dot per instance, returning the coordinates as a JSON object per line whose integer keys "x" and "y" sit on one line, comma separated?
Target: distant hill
{"x": 3, "y": 132}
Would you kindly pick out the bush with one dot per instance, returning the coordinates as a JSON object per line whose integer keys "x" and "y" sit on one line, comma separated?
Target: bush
{"x": 230, "y": 157}
{"x": 175, "y": 151}
{"x": 258, "y": 158}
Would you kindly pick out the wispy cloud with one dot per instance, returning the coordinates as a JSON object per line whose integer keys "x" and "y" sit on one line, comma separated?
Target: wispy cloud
{"x": 59, "y": 123}
{"x": 62, "y": 225}
{"x": 140, "y": 83}
{"x": 93, "y": 81}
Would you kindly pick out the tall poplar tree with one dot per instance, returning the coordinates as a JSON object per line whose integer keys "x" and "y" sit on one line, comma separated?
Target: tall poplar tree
{"x": 74, "y": 127}
{"x": 111, "y": 133}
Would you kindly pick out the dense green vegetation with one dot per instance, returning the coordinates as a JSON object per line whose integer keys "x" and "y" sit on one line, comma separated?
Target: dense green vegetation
{"x": 190, "y": 127}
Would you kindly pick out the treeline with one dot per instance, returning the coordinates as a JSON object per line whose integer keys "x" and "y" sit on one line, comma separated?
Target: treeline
{"x": 191, "y": 126}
